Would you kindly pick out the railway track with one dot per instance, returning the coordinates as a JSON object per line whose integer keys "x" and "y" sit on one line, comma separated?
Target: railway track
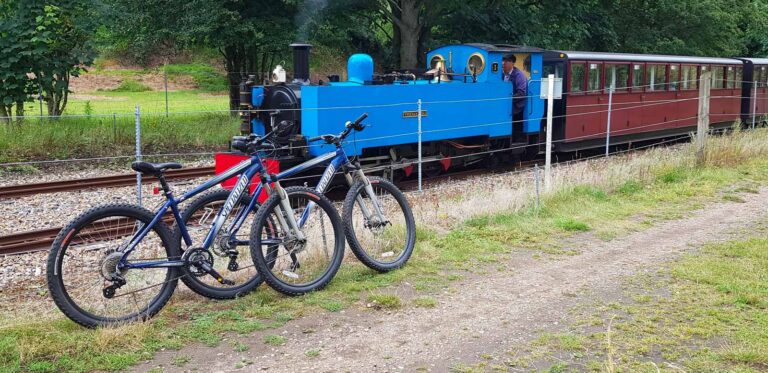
{"x": 97, "y": 182}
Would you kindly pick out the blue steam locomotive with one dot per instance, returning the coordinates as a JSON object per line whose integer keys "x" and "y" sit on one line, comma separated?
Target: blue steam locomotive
{"x": 466, "y": 108}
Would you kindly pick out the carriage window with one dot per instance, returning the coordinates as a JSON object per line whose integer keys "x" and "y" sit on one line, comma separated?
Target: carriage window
{"x": 674, "y": 77}
{"x": 717, "y": 77}
{"x": 689, "y": 80}
{"x": 638, "y": 76}
{"x": 739, "y": 77}
{"x": 617, "y": 76}
{"x": 577, "y": 77}
{"x": 730, "y": 81}
{"x": 657, "y": 77}
{"x": 764, "y": 76}
{"x": 594, "y": 77}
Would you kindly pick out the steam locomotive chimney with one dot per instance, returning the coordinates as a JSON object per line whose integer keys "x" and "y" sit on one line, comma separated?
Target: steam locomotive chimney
{"x": 301, "y": 62}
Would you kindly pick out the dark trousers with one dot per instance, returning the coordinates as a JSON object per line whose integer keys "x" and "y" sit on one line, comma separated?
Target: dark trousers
{"x": 517, "y": 127}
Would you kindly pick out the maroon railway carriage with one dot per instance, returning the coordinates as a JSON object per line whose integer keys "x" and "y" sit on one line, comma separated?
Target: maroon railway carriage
{"x": 655, "y": 96}
{"x": 755, "y": 70}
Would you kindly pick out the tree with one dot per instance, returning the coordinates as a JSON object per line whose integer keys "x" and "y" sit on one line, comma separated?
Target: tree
{"x": 17, "y": 53}
{"x": 63, "y": 40}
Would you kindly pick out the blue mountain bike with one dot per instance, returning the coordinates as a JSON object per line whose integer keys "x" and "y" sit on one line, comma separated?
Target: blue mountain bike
{"x": 120, "y": 263}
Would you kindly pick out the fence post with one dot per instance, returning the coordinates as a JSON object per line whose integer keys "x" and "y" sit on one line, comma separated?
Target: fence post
{"x": 114, "y": 127}
{"x": 703, "y": 125}
{"x": 538, "y": 189}
{"x": 40, "y": 98}
{"x": 608, "y": 129}
{"x": 165, "y": 80}
{"x": 548, "y": 158}
{"x": 418, "y": 108}
{"x": 754, "y": 104}
{"x": 138, "y": 153}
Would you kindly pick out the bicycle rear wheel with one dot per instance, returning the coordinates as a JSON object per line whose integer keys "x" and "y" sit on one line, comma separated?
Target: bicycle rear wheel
{"x": 380, "y": 245}
{"x": 83, "y": 274}
{"x": 291, "y": 266}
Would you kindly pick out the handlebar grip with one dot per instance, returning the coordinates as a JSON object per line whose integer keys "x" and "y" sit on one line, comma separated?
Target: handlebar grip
{"x": 359, "y": 120}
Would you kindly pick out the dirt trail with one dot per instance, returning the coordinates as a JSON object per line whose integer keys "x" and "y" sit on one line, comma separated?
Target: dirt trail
{"x": 486, "y": 312}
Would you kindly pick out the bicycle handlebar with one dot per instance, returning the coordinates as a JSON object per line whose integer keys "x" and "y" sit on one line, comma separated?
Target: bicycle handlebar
{"x": 349, "y": 126}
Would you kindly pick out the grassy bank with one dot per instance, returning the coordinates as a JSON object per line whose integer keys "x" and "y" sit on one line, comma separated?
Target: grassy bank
{"x": 114, "y": 136}
{"x": 630, "y": 193}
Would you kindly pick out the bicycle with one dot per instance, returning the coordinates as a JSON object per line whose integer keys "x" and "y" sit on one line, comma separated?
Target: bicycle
{"x": 379, "y": 236}
{"x": 138, "y": 262}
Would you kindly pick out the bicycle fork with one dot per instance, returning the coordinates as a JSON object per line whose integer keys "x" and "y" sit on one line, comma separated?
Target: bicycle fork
{"x": 369, "y": 190}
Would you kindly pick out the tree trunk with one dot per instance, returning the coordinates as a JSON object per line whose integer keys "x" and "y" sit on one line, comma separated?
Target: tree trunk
{"x": 410, "y": 31}
{"x": 5, "y": 113}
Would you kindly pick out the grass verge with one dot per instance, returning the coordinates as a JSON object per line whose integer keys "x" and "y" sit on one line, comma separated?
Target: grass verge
{"x": 438, "y": 260}
{"x": 708, "y": 312}
{"x": 107, "y": 136}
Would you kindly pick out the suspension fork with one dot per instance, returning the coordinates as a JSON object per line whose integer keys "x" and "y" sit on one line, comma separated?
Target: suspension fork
{"x": 358, "y": 172}
{"x": 284, "y": 216}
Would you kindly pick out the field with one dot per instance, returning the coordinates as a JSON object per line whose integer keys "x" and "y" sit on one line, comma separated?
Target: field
{"x": 99, "y": 120}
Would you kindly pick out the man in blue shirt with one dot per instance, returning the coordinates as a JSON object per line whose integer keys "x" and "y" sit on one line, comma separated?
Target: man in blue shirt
{"x": 512, "y": 74}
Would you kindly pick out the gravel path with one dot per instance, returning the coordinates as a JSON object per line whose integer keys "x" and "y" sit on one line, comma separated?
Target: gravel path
{"x": 482, "y": 314}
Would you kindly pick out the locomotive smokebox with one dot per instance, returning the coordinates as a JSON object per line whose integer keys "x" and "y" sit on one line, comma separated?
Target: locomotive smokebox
{"x": 301, "y": 62}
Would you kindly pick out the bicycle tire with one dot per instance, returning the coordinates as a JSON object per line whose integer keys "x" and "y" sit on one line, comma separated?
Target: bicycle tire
{"x": 349, "y": 227}
{"x": 67, "y": 236}
{"x": 267, "y": 267}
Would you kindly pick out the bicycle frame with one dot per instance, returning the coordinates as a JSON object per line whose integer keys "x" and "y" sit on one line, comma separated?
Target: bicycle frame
{"x": 246, "y": 169}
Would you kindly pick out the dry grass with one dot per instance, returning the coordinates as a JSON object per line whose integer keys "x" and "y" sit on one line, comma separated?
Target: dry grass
{"x": 444, "y": 207}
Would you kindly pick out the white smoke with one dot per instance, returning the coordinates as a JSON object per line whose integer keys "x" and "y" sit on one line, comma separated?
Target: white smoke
{"x": 307, "y": 16}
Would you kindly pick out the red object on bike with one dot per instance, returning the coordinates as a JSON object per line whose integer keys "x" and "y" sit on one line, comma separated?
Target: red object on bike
{"x": 225, "y": 161}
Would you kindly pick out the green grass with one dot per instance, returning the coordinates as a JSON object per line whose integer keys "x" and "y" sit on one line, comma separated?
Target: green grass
{"x": 130, "y": 85}
{"x": 425, "y": 302}
{"x": 205, "y": 76}
{"x": 103, "y": 136}
{"x": 385, "y": 301}
{"x": 437, "y": 260}
{"x": 275, "y": 340}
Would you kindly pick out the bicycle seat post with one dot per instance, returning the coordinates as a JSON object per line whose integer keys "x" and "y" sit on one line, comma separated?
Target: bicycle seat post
{"x": 164, "y": 184}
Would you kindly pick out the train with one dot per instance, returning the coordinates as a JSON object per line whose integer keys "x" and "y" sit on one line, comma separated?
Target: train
{"x": 461, "y": 109}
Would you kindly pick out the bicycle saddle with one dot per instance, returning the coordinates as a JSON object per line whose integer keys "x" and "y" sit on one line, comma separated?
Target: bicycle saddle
{"x": 154, "y": 168}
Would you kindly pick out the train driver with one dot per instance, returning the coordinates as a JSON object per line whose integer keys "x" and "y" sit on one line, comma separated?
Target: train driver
{"x": 520, "y": 83}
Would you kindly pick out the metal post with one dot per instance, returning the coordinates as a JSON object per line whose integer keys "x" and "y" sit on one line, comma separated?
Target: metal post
{"x": 548, "y": 158}
{"x": 418, "y": 104}
{"x": 40, "y": 98}
{"x": 754, "y": 105}
{"x": 165, "y": 78}
{"x": 703, "y": 126}
{"x": 114, "y": 127}
{"x": 138, "y": 153}
{"x": 538, "y": 189}
{"x": 608, "y": 129}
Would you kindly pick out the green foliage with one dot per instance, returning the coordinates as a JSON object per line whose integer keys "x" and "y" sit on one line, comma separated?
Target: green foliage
{"x": 130, "y": 85}
{"x": 205, "y": 76}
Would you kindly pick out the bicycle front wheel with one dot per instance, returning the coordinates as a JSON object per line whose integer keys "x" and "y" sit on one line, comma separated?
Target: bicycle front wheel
{"x": 381, "y": 242}
{"x": 290, "y": 264}
{"x": 230, "y": 253}
{"x": 85, "y": 276}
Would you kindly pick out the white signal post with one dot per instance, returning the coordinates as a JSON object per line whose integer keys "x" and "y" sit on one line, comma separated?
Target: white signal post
{"x": 138, "y": 153}
{"x": 548, "y": 159}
